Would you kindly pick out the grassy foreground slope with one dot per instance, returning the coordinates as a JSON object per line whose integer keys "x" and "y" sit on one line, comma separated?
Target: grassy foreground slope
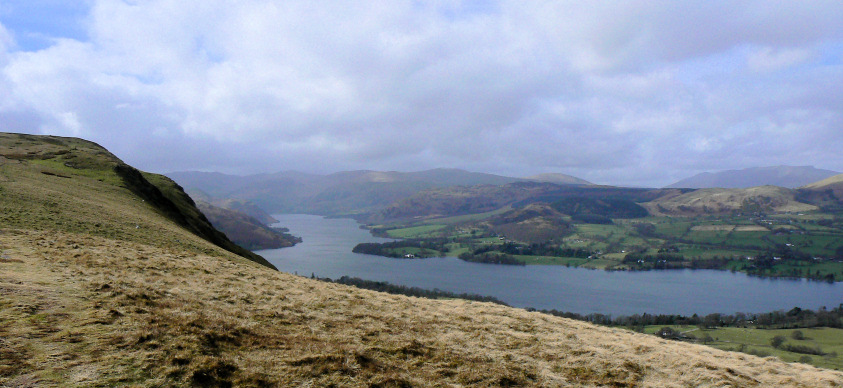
{"x": 82, "y": 310}
{"x": 141, "y": 301}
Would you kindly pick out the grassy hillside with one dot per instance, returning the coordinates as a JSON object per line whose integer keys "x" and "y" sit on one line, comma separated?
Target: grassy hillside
{"x": 765, "y": 199}
{"x": 533, "y": 223}
{"x": 834, "y": 182}
{"x": 100, "y": 288}
{"x": 461, "y": 200}
{"x": 46, "y": 178}
{"x": 827, "y": 193}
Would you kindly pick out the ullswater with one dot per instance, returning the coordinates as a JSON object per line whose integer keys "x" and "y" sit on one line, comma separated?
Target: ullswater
{"x": 326, "y": 252}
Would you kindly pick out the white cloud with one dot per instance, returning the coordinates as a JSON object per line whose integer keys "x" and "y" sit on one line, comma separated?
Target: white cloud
{"x": 620, "y": 91}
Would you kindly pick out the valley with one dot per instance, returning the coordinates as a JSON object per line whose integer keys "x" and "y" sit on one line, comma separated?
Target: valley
{"x": 326, "y": 252}
{"x": 556, "y": 219}
{"x": 111, "y": 276}
{"x": 552, "y": 219}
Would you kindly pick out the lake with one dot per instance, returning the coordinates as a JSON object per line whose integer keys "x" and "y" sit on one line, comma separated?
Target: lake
{"x": 326, "y": 252}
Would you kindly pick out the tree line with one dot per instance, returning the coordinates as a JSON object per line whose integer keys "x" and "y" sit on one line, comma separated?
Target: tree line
{"x": 491, "y": 258}
{"x": 792, "y": 319}
{"x": 535, "y": 249}
{"x": 392, "y": 248}
{"x": 408, "y": 291}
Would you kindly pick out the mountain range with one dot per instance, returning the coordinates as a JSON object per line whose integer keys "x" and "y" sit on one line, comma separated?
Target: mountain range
{"x": 360, "y": 193}
{"x": 782, "y": 176}
{"x": 343, "y": 193}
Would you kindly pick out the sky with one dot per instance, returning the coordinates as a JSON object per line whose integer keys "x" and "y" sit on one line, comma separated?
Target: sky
{"x": 635, "y": 93}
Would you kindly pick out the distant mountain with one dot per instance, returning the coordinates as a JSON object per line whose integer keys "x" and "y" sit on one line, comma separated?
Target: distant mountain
{"x": 559, "y": 179}
{"x": 461, "y": 200}
{"x": 437, "y": 177}
{"x": 782, "y": 176}
{"x": 342, "y": 193}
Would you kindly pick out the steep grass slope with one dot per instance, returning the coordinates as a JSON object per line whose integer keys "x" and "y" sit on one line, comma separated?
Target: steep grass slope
{"x": 45, "y": 178}
{"x": 241, "y": 206}
{"x": 245, "y": 230}
{"x": 98, "y": 288}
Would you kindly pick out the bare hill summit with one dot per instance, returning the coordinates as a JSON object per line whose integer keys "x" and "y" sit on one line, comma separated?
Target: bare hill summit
{"x": 835, "y": 184}
{"x": 559, "y": 179}
{"x": 767, "y": 199}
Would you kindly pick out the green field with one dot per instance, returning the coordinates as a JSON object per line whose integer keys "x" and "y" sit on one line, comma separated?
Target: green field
{"x": 758, "y": 342}
{"x": 708, "y": 237}
{"x": 721, "y": 242}
{"x": 747, "y": 239}
{"x": 416, "y": 231}
{"x": 670, "y": 228}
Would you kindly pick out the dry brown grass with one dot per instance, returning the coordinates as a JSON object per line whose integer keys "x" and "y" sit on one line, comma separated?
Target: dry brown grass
{"x": 714, "y": 201}
{"x": 81, "y": 310}
{"x": 30, "y": 199}
{"x": 826, "y": 183}
{"x": 751, "y": 228}
{"x": 729, "y": 228}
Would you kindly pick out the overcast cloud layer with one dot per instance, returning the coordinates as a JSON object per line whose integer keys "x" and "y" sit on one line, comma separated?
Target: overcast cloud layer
{"x": 629, "y": 93}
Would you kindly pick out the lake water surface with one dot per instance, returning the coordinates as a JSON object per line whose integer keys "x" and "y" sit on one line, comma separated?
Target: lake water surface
{"x": 326, "y": 252}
